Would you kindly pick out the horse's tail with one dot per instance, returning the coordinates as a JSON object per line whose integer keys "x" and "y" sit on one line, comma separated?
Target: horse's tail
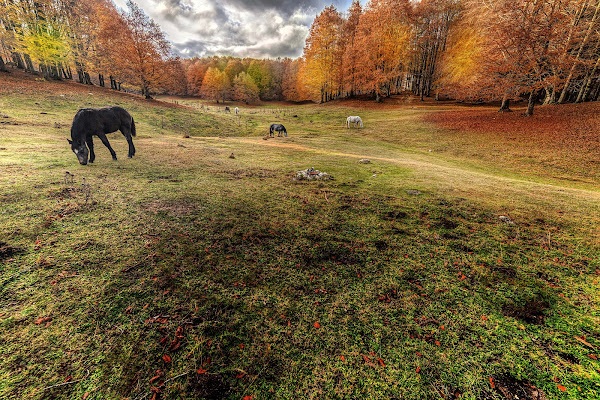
{"x": 132, "y": 127}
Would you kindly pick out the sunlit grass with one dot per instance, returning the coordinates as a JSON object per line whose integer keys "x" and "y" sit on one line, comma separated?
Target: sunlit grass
{"x": 395, "y": 280}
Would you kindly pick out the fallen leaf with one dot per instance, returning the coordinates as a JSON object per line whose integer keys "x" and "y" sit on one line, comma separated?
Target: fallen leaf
{"x": 561, "y": 388}
{"x": 483, "y": 317}
{"x": 41, "y": 320}
{"x": 492, "y": 383}
{"x": 582, "y": 340}
{"x": 367, "y": 359}
{"x": 240, "y": 375}
{"x": 437, "y": 343}
{"x": 418, "y": 369}
{"x": 166, "y": 358}
{"x": 343, "y": 358}
{"x": 317, "y": 325}
{"x": 85, "y": 395}
{"x": 381, "y": 362}
{"x": 247, "y": 398}
{"x": 593, "y": 356}
{"x": 175, "y": 344}
{"x": 154, "y": 378}
{"x": 201, "y": 371}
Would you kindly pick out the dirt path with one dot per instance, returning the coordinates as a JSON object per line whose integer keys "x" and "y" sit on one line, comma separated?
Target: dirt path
{"x": 462, "y": 181}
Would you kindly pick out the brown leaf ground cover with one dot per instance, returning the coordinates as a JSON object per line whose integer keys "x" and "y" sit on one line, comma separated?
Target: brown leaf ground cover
{"x": 556, "y": 139}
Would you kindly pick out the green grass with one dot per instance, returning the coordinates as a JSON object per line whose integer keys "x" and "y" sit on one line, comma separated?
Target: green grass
{"x": 225, "y": 264}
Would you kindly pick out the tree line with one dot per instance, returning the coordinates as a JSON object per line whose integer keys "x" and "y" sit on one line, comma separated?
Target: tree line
{"x": 542, "y": 50}
{"x": 53, "y": 38}
{"x": 545, "y": 50}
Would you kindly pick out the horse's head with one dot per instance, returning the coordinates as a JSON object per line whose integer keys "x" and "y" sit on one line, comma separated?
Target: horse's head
{"x": 80, "y": 150}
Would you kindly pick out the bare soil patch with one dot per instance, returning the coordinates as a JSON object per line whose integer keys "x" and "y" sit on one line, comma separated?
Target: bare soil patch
{"x": 6, "y": 250}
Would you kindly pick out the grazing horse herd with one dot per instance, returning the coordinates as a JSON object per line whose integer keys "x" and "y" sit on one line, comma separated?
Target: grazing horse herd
{"x": 89, "y": 122}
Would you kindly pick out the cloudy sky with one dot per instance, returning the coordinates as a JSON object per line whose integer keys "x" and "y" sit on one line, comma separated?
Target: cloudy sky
{"x": 242, "y": 28}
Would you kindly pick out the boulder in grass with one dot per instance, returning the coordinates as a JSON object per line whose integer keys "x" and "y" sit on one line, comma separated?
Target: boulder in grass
{"x": 312, "y": 174}
{"x": 364, "y": 161}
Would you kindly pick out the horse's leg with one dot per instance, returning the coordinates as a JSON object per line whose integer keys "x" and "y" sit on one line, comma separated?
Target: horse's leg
{"x": 104, "y": 140}
{"x": 127, "y": 133}
{"x": 90, "y": 145}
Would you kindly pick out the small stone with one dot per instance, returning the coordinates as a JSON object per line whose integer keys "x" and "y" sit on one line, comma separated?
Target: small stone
{"x": 364, "y": 161}
{"x": 413, "y": 192}
{"x": 506, "y": 220}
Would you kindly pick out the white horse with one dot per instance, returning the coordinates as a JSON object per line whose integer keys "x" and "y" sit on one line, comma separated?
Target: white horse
{"x": 237, "y": 110}
{"x": 354, "y": 120}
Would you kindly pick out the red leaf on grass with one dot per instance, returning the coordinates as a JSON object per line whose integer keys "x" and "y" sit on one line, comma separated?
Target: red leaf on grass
{"x": 175, "y": 344}
{"x": 492, "y": 383}
{"x": 85, "y": 395}
{"x": 343, "y": 358}
{"x": 593, "y": 356}
{"x": 240, "y": 375}
{"x": 154, "y": 378}
{"x": 418, "y": 369}
{"x": 561, "y": 388}
{"x": 41, "y": 320}
{"x": 483, "y": 317}
{"x": 381, "y": 362}
{"x": 367, "y": 359}
{"x": 437, "y": 343}
{"x": 201, "y": 371}
{"x": 166, "y": 358}
{"x": 68, "y": 378}
{"x": 317, "y": 325}
{"x": 247, "y": 398}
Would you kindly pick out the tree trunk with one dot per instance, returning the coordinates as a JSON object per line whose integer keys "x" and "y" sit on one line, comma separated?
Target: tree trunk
{"x": 531, "y": 104}
{"x": 86, "y": 79}
{"x": 563, "y": 94}
{"x": 505, "y": 107}
{"x": 54, "y": 74}
{"x": 101, "y": 79}
{"x": 29, "y": 65}
{"x": 2, "y": 65}
{"x": 18, "y": 60}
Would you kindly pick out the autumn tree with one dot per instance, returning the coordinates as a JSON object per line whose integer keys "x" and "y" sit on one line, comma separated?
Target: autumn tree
{"x": 320, "y": 70}
{"x": 244, "y": 88}
{"x": 142, "y": 50}
{"x": 432, "y": 22}
{"x": 383, "y": 45}
{"x": 195, "y": 76}
{"x": 215, "y": 84}
{"x": 350, "y": 64}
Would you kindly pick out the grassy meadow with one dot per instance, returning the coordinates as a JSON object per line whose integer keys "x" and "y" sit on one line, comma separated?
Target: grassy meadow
{"x": 200, "y": 269}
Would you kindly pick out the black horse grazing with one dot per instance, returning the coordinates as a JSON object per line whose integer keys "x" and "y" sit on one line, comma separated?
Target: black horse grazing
{"x": 279, "y": 128}
{"x": 99, "y": 121}
{"x": 227, "y": 109}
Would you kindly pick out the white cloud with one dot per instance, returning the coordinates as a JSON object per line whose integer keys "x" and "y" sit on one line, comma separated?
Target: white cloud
{"x": 242, "y": 28}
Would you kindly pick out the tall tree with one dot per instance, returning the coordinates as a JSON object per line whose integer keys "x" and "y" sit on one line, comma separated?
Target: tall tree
{"x": 349, "y": 57}
{"x": 321, "y": 66}
{"x": 142, "y": 50}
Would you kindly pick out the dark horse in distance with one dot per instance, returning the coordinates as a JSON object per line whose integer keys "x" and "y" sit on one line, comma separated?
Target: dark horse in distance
{"x": 99, "y": 121}
{"x": 277, "y": 127}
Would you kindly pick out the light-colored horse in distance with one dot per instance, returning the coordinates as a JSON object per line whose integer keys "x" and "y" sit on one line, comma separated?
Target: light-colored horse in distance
{"x": 356, "y": 120}
{"x": 237, "y": 110}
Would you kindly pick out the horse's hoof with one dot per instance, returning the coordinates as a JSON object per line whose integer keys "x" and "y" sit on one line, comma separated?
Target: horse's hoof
{"x": 129, "y": 156}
